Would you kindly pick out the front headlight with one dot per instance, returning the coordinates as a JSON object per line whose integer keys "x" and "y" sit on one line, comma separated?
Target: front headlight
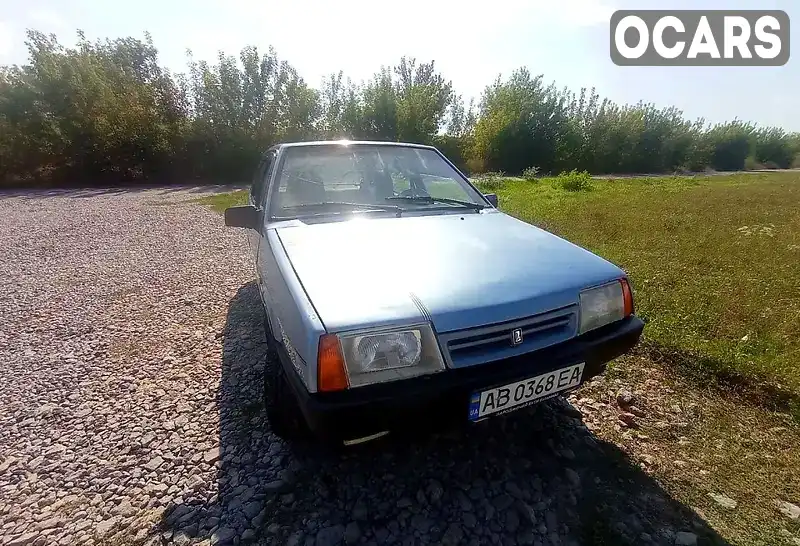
{"x": 390, "y": 354}
{"x": 605, "y": 304}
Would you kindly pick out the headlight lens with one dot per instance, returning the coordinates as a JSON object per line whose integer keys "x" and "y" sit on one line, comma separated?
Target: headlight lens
{"x": 602, "y": 305}
{"x": 386, "y": 355}
{"x": 386, "y": 351}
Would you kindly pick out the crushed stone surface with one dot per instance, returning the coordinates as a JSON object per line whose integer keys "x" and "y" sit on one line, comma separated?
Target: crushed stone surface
{"x": 131, "y": 350}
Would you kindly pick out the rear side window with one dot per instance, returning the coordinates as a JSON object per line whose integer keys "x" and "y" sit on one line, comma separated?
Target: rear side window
{"x": 260, "y": 181}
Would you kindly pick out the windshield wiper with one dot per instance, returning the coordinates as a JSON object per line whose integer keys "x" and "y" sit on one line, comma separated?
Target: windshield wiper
{"x": 343, "y": 204}
{"x": 429, "y": 199}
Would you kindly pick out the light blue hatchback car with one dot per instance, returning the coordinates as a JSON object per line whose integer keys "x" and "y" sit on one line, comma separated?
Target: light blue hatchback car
{"x": 396, "y": 293}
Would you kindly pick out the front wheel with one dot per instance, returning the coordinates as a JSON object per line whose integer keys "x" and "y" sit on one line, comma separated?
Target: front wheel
{"x": 285, "y": 418}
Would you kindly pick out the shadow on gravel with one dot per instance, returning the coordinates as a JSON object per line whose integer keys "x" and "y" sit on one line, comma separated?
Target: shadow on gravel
{"x": 537, "y": 477}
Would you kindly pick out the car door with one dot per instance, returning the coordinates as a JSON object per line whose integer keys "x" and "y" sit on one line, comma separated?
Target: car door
{"x": 264, "y": 269}
{"x": 258, "y": 193}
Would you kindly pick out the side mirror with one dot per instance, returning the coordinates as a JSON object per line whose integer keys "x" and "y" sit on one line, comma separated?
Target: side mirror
{"x": 245, "y": 216}
{"x": 492, "y": 198}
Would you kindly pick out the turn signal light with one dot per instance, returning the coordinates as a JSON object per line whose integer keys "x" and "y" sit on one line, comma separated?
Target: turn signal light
{"x": 627, "y": 297}
{"x": 331, "y": 374}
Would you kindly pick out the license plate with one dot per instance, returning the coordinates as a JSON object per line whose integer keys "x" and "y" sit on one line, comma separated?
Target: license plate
{"x": 523, "y": 393}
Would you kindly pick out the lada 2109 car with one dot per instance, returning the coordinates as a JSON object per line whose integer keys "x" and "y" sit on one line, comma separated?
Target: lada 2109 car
{"x": 395, "y": 292}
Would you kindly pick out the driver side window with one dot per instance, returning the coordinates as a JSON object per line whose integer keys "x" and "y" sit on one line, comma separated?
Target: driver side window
{"x": 260, "y": 182}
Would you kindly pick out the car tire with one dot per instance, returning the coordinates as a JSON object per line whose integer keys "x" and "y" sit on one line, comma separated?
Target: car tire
{"x": 285, "y": 418}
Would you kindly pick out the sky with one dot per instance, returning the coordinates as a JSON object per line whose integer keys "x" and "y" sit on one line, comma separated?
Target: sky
{"x": 472, "y": 42}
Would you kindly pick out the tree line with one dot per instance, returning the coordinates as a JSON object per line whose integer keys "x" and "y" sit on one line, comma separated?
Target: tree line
{"x": 106, "y": 111}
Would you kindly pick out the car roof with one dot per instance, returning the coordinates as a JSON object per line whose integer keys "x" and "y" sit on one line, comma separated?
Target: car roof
{"x": 343, "y": 142}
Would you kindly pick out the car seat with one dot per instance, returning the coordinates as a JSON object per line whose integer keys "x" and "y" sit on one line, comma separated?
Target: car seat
{"x": 302, "y": 190}
{"x": 383, "y": 185}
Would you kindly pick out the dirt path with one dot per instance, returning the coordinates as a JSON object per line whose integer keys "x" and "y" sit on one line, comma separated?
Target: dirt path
{"x": 131, "y": 350}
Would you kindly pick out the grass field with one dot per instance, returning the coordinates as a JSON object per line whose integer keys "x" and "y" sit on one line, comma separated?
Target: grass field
{"x": 221, "y": 201}
{"x": 715, "y": 265}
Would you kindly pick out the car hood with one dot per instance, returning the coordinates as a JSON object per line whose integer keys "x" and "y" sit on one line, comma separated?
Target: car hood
{"x": 456, "y": 270}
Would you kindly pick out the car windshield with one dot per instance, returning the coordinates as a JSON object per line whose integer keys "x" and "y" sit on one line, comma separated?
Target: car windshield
{"x": 342, "y": 178}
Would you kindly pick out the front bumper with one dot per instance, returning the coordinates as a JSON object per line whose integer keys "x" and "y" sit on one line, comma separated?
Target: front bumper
{"x": 443, "y": 398}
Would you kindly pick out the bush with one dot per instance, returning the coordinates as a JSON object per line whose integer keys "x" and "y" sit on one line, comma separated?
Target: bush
{"x": 474, "y": 165}
{"x": 491, "y": 181}
{"x": 575, "y": 180}
{"x": 106, "y": 112}
{"x": 796, "y": 162}
{"x": 530, "y": 173}
{"x": 750, "y": 164}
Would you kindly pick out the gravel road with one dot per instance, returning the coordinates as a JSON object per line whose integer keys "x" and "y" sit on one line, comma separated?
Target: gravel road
{"x": 131, "y": 349}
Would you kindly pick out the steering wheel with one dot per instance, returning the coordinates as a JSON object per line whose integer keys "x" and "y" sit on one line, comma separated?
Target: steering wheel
{"x": 419, "y": 192}
{"x": 354, "y": 175}
{"x": 305, "y": 179}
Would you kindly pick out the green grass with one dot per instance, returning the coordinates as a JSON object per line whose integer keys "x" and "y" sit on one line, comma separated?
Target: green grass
{"x": 221, "y": 201}
{"x": 714, "y": 261}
